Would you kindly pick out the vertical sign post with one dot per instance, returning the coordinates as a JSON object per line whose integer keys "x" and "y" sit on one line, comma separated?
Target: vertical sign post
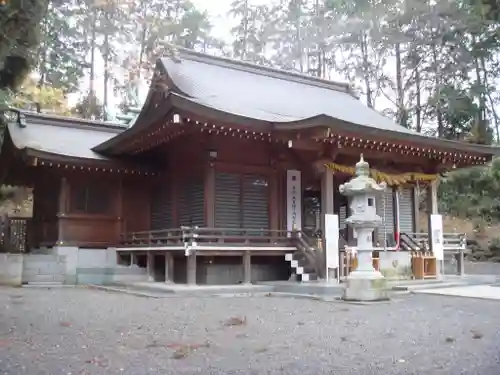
{"x": 293, "y": 201}
{"x": 437, "y": 244}
{"x": 331, "y": 242}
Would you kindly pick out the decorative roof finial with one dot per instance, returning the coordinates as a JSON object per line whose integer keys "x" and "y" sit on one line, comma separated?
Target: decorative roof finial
{"x": 362, "y": 167}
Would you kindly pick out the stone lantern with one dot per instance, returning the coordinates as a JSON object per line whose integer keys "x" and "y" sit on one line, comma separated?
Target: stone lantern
{"x": 364, "y": 283}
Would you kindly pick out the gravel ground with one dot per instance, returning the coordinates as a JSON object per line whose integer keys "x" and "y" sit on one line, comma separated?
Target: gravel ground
{"x": 82, "y": 331}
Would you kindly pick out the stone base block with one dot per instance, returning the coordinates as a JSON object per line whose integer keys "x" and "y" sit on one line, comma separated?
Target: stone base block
{"x": 368, "y": 289}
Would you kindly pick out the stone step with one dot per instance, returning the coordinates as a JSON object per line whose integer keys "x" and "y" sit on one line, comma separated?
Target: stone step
{"x": 307, "y": 277}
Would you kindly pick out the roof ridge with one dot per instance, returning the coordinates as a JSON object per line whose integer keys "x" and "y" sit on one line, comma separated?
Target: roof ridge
{"x": 258, "y": 69}
{"x": 72, "y": 122}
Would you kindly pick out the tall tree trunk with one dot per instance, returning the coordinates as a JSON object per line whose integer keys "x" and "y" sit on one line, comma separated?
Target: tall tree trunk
{"x": 92, "y": 51}
{"x": 437, "y": 88}
{"x": 42, "y": 68}
{"x": 298, "y": 36}
{"x": 319, "y": 68}
{"x": 401, "y": 117}
{"x": 364, "y": 55}
{"x": 480, "y": 120}
{"x": 490, "y": 99}
{"x": 142, "y": 46}
{"x": 418, "y": 109}
{"x": 106, "y": 76}
{"x": 244, "y": 46}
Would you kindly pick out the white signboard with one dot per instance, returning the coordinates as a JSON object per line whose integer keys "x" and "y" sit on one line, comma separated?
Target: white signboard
{"x": 293, "y": 200}
{"x": 437, "y": 244}
{"x": 332, "y": 241}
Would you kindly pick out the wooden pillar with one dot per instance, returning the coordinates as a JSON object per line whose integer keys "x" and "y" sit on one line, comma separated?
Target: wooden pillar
{"x": 191, "y": 268}
{"x": 62, "y": 209}
{"x": 210, "y": 196}
{"x": 416, "y": 209}
{"x": 327, "y": 195}
{"x": 327, "y": 206}
{"x": 396, "y": 211}
{"x": 119, "y": 210}
{"x": 174, "y": 198}
{"x": 432, "y": 200}
{"x": 274, "y": 201}
{"x": 150, "y": 266}
{"x": 247, "y": 267}
{"x": 169, "y": 267}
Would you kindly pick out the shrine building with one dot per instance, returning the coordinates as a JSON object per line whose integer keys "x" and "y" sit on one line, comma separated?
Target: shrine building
{"x": 225, "y": 163}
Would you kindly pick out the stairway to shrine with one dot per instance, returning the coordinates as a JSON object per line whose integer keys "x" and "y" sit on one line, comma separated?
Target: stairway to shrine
{"x": 301, "y": 267}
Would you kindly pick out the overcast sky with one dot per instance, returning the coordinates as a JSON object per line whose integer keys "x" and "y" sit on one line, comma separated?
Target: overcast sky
{"x": 218, "y": 10}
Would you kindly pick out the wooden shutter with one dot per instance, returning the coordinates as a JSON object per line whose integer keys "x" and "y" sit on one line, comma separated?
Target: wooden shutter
{"x": 255, "y": 202}
{"x": 386, "y": 212}
{"x": 160, "y": 208}
{"x": 192, "y": 203}
{"x": 227, "y": 200}
{"x": 406, "y": 208}
{"x": 197, "y": 206}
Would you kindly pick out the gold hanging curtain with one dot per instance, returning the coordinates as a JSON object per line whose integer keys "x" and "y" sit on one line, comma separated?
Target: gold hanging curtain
{"x": 389, "y": 179}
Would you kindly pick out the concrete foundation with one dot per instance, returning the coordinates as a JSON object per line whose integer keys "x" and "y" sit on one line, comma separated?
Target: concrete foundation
{"x": 395, "y": 265}
{"x": 43, "y": 268}
{"x": 66, "y": 265}
{"x": 366, "y": 287}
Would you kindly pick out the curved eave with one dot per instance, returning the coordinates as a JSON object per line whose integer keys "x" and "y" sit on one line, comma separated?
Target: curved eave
{"x": 327, "y": 122}
{"x": 323, "y": 121}
{"x": 142, "y": 124}
{"x": 149, "y": 114}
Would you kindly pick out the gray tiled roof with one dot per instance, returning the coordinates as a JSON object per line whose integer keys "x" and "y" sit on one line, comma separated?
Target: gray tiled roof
{"x": 61, "y": 136}
{"x": 267, "y": 94}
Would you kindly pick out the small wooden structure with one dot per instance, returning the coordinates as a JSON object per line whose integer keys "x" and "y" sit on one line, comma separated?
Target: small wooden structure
{"x": 212, "y": 150}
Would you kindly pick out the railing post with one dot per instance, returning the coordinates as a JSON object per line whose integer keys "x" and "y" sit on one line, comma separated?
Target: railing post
{"x": 188, "y": 237}
{"x": 169, "y": 267}
{"x": 246, "y": 237}
{"x": 191, "y": 268}
{"x": 247, "y": 267}
{"x": 150, "y": 266}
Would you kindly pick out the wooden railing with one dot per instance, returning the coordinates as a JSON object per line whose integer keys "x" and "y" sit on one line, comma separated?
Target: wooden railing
{"x": 452, "y": 242}
{"x": 14, "y": 234}
{"x": 232, "y": 236}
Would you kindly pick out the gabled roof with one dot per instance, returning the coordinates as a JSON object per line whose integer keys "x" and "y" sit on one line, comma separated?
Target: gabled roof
{"x": 267, "y": 94}
{"x": 69, "y": 137}
{"x": 234, "y": 92}
{"x": 224, "y": 90}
